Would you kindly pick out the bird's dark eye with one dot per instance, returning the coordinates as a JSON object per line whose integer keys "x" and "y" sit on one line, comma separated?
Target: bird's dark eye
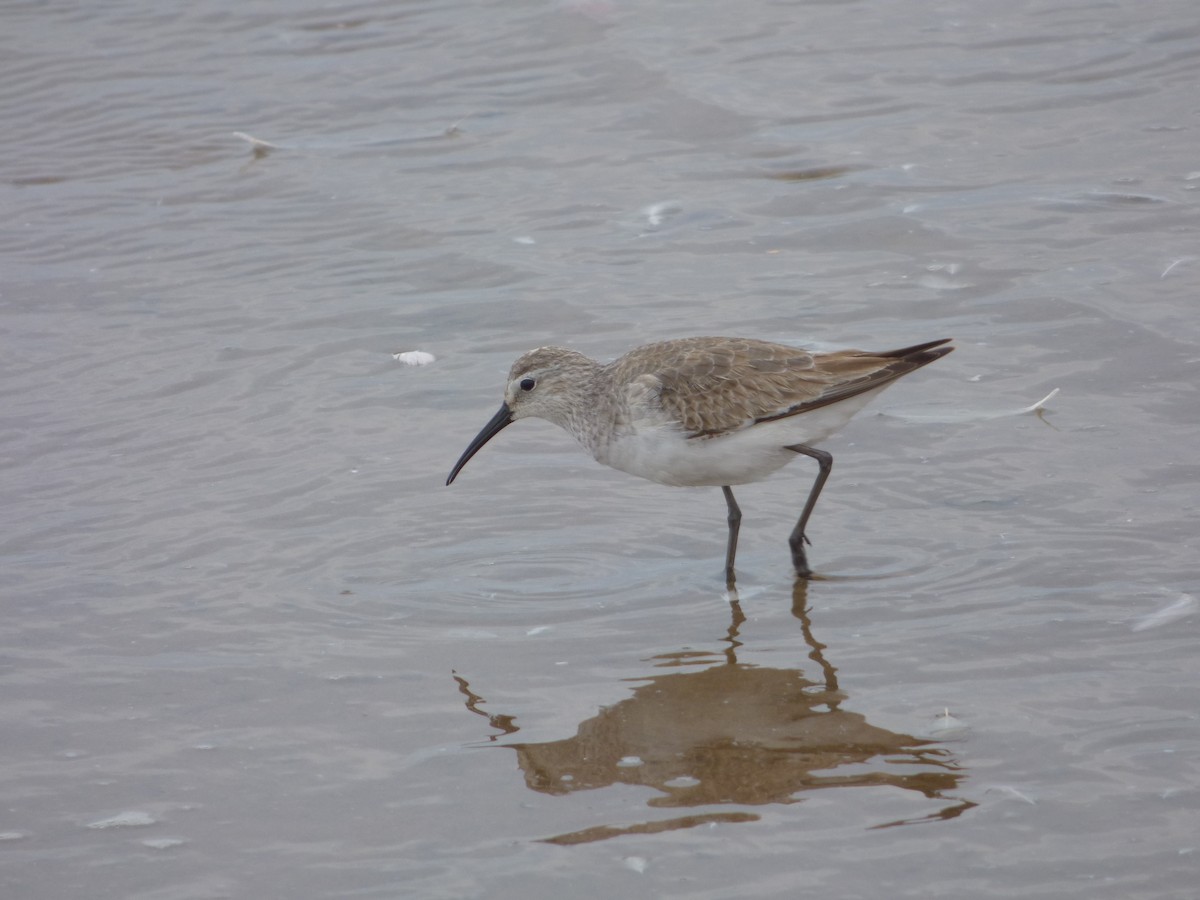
{"x": 527, "y": 384}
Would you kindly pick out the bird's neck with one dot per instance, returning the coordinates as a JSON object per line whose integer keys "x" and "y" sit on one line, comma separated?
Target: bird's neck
{"x": 591, "y": 415}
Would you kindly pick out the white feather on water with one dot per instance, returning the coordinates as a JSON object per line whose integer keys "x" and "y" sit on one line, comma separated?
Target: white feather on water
{"x": 414, "y": 357}
{"x": 1180, "y": 608}
{"x": 966, "y": 415}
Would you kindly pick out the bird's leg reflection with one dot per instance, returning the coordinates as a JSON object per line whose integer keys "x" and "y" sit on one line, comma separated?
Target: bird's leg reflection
{"x": 505, "y": 724}
{"x": 800, "y": 611}
{"x": 736, "y": 618}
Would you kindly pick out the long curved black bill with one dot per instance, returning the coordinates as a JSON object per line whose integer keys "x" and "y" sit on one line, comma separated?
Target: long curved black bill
{"x": 499, "y": 422}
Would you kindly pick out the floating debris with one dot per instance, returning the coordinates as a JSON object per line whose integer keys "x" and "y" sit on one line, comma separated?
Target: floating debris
{"x": 1174, "y": 264}
{"x": 414, "y": 357}
{"x": 1010, "y": 791}
{"x": 959, "y": 416}
{"x": 946, "y": 726}
{"x": 1182, "y": 607}
{"x": 255, "y": 142}
{"x": 657, "y": 213}
{"x": 163, "y": 843}
{"x": 455, "y": 130}
{"x": 1040, "y": 406}
{"x": 259, "y": 148}
{"x": 816, "y": 173}
{"x": 131, "y": 819}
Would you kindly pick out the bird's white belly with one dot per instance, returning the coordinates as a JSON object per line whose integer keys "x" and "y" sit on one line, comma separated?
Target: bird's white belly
{"x": 676, "y": 460}
{"x": 664, "y": 454}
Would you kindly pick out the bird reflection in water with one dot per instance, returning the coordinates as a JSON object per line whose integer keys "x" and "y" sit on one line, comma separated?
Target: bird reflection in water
{"x": 730, "y": 733}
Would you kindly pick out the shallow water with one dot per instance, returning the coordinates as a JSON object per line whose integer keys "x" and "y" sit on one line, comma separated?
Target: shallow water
{"x": 254, "y": 647}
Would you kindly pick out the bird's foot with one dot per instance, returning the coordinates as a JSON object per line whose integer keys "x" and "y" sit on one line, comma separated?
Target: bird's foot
{"x": 799, "y": 559}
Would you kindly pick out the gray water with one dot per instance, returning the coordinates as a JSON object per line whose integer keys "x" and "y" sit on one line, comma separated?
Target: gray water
{"x": 254, "y": 647}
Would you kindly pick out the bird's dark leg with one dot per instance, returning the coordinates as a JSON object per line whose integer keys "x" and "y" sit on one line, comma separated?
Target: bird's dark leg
{"x": 798, "y": 538}
{"x": 735, "y": 523}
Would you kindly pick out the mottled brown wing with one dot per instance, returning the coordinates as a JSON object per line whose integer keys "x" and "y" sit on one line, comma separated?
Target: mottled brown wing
{"x": 718, "y": 385}
{"x": 715, "y": 385}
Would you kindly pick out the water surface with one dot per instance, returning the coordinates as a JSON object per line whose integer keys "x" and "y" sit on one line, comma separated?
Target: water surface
{"x": 254, "y": 647}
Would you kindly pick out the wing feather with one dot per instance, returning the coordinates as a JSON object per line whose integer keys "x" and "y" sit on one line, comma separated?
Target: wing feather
{"x": 714, "y": 386}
